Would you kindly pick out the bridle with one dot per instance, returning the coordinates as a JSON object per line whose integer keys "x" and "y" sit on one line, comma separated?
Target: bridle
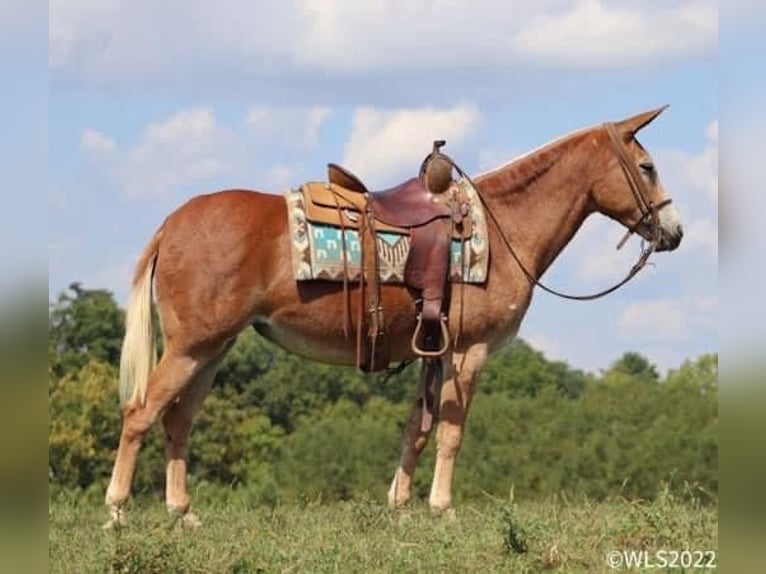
{"x": 649, "y": 213}
{"x": 638, "y": 186}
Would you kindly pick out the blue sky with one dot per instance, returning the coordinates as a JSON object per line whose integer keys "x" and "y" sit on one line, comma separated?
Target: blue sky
{"x": 149, "y": 106}
{"x": 23, "y": 140}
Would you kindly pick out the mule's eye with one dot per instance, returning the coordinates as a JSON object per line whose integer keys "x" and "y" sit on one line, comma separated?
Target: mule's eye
{"x": 647, "y": 166}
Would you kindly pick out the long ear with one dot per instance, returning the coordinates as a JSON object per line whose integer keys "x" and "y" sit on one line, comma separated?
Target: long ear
{"x": 629, "y": 127}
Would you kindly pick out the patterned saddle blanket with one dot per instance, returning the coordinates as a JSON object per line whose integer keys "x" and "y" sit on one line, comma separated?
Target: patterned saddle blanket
{"x": 318, "y": 246}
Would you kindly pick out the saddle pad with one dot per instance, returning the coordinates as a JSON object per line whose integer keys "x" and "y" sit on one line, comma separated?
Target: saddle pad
{"x": 321, "y": 202}
{"x": 317, "y": 248}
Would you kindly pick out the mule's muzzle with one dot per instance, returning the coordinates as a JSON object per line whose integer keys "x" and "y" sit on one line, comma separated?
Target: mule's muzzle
{"x": 670, "y": 239}
{"x": 661, "y": 225}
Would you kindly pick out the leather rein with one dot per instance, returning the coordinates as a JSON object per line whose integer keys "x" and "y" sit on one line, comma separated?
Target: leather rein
{"x": 649, "y": 211}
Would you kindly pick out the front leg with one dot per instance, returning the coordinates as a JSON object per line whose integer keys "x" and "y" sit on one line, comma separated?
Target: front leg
{"x": 456, "y": 394}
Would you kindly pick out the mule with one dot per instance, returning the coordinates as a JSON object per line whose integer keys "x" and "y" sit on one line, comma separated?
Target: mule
{"x": 221, "y": 263}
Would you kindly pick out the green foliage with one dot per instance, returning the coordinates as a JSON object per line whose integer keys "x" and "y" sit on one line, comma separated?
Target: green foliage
{"x": 514, "y": 537}
{"x": 258, "y": 373}
{"x": 280, "y": 428}
{"x": 632, "y": 367}
{"x": 519, "y": 370}
{"x": 701, "y": 373}
{"x": 82, "y": 326}
{"x": 84, "y": 425}
{"x": 236, "y": 445}
{"x": 345, "y": 451}
{"x": 622, "y": 438}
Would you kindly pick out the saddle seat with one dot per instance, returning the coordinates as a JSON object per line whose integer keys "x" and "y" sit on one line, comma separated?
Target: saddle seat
{"x": 409, "y": 204}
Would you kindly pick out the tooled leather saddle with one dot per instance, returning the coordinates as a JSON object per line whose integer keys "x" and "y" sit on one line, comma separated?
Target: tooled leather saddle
{"x": 433, "y": 212}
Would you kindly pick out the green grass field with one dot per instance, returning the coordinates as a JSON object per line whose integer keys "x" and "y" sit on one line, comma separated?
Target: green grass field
{"x": 364, "y": 536}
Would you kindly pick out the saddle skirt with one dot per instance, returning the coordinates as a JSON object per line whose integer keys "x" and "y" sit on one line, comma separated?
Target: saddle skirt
{"x": 325, "y": 218}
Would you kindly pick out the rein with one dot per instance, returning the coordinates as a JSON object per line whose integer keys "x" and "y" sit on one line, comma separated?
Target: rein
{"x": 648, "y": 210}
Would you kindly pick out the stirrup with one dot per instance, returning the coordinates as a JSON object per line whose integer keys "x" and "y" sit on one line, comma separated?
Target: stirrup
{"x": 445, "y": 338}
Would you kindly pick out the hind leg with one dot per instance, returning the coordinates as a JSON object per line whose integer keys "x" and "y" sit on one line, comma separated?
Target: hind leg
{"x": 177, "y": 422}
{"x": 414, "y": 440}
{"x": 166, "y": 382}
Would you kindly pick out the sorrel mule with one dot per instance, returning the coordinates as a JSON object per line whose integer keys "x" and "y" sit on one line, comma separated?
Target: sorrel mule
{"x": 221, "y": 262}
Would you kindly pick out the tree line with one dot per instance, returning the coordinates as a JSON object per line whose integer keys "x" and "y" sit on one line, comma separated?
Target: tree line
{"x": 280, "y": 428}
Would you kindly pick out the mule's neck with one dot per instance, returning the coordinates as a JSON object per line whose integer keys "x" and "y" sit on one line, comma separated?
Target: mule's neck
{"x": 541, "y": 199}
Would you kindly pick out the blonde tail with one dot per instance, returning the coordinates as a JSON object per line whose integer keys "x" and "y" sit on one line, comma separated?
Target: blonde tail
{"x": 139, "y": 350}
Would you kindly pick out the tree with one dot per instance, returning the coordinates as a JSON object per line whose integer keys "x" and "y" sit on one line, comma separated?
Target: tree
{"x": 342, "y": 451}
{"x": 521, "y": 371}
{"x": 84, "y": 426}
{"x": 632, "y": 366}
{"x": 701, "y": 373}
{"x": 82, "y": 325}
{"x": 285, "y": 386}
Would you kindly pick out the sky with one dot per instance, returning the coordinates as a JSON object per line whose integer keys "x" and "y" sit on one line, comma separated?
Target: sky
{"x": 152, "y": 103}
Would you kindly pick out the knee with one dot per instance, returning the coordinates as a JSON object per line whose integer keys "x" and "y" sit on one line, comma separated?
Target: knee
{"x": 448, "y": 440}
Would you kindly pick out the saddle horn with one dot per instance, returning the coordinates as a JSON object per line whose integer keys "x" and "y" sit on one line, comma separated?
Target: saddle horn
{"x": 436, "y": 169}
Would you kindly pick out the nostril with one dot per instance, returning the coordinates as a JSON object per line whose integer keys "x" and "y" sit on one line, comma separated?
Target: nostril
{"x": 680, "y": 231}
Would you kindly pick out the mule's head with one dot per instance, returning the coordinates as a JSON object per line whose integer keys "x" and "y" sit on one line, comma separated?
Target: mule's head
{"x": 628, "y": 187}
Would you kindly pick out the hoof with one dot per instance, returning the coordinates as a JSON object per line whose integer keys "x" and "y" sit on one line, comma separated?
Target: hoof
{"x": 398, "y": 504}
{"x": 187, "y": 518}
{"x": 190, "y": 521}
{"x": 399, "y": 491}
{"x": 444, "y": 513}
{"x": 116, "y": 520}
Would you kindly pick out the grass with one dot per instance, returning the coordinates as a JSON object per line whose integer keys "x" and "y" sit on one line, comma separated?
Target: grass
{"x": 557, "y": 535}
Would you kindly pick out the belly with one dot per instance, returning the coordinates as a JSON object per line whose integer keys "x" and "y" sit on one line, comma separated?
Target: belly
{"x": 317, "y": 348}
{"x": 309, "y": 322}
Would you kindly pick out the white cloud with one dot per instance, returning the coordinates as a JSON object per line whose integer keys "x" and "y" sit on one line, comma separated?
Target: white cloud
{"x": 386, "y": 144}
{"x": 545, "y": 344}
{"x": 697, "y": 171}
{"x": 691, "y": 179}
{"x": 81, "y": 30}
{"x": 595, "y": 33}
{"x": 702, "y": 233}
{"x": 390, "y": 35}
{"x": 188, "y": 148}
{"x": 117, "y": 42}
{"x": 122, "y": 40}
{"x": 669, "y": 319}
{"x": 595, "y": 247}
{"x": 663, "y": 318}
{"x": 22, "y": 21}
{"x": 95, "y": 142}
{"x": 192, "y": 149}
{"x": 280, "y": 176}
{"x": 712, "y": 132}
{"x": 296, "y": 127}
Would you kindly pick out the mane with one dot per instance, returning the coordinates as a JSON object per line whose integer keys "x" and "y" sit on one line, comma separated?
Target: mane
{"x": 540, "y": 150}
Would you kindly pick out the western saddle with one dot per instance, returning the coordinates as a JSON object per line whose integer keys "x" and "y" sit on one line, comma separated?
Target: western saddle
{"x": 432, "y": 212}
